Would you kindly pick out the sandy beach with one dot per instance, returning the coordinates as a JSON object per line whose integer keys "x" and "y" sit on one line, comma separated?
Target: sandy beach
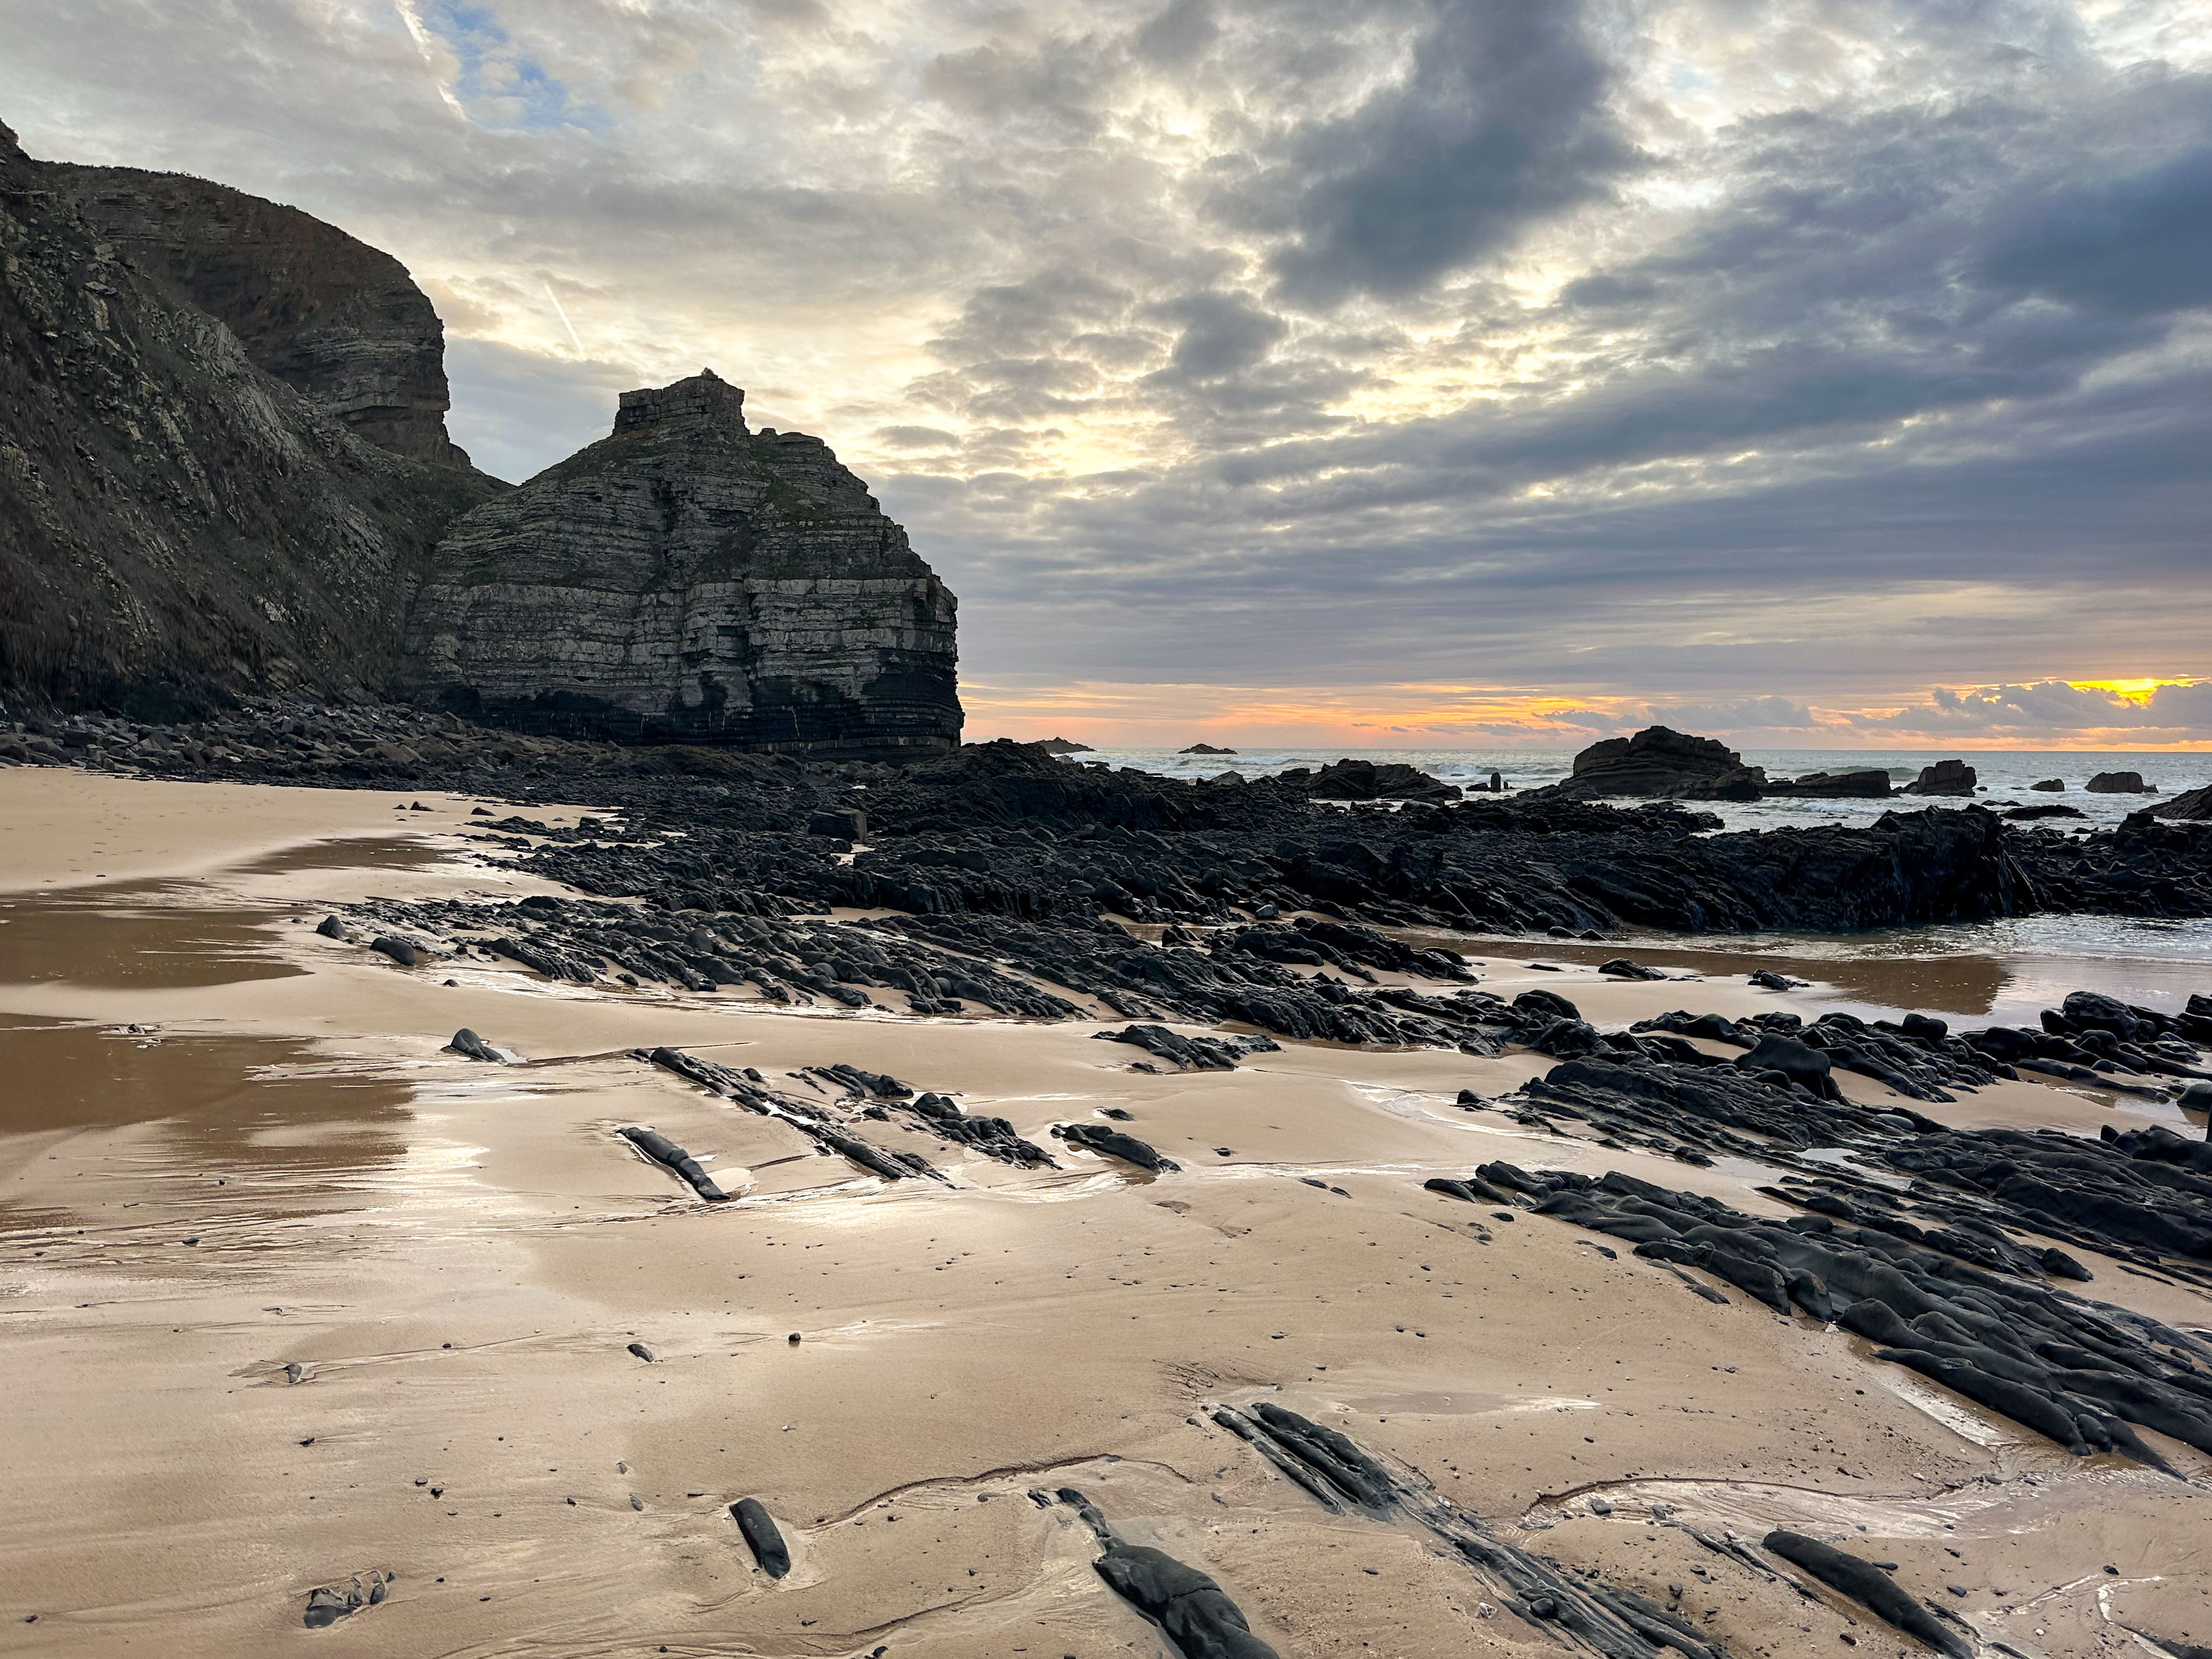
{"x": 294, "y": 1295}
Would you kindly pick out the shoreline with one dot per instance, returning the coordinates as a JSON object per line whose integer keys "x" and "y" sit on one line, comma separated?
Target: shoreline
{"x": 961, "y": 1340}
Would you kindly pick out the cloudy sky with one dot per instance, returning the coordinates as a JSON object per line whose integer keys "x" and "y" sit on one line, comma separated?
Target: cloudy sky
{"x": 1824, "y": 373}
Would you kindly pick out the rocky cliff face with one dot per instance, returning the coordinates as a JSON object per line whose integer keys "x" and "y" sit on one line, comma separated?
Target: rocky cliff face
{"x": 337, "y": 320}
{"x": 180, "y": 527}
{"x": 688, "y": 578}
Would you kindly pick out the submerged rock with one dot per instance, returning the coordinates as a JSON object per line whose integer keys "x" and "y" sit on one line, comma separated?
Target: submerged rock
{"x": 329, "y": 1603}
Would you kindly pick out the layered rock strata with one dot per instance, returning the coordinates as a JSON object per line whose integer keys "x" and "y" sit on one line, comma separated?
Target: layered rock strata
{"x": 338, "y": 321}
{"x": 687, "y": 578}
{"x": 178, "y": 527}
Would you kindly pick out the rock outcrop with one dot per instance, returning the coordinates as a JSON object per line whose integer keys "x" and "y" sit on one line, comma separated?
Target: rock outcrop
{"x": 1659, "y": 761}
{"x": 338, "y": 321}
{"x": 1945, "y": 777}
{"x": 688, "y": 579}
{"x": 1870, "y": 784}
{"x": 180, "y": 527}
{"x": 2120, "y": 783}
{"x": 2194, "y": 806}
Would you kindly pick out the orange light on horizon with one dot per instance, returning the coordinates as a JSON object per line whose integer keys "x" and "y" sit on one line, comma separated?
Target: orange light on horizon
{"x": 2133, "y": 690}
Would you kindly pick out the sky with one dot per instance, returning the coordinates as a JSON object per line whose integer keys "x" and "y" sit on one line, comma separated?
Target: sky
{"x": 1815, "y": 373}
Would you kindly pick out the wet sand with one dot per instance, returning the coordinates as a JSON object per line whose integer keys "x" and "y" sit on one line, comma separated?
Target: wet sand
{"x": 284, "y": 1168}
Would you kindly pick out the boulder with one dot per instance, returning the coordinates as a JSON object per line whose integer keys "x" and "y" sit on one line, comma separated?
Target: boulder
{"x": 1205, "y": 749}
{"x": 2120, "y": 783}
{"x": 1945, "y": 777}
{"x": 688, "y": 579}
{"x": 2050, "y": 785}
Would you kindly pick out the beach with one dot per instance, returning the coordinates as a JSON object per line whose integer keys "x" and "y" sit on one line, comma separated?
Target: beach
{"x": 296, "y": 1296}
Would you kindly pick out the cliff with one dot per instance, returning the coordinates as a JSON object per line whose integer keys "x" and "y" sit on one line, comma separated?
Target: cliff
{"x": 687, "y": 578}
{"x": 338, "y": 321}
{"x": 180, "y": 525}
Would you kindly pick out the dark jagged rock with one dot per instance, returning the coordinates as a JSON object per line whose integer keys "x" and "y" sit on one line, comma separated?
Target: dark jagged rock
{"x": 748, "y": 1089}
{"x": 1360, "y": 780}
{"x": 761, "y": 1536}
{"x": 1869, "y": 1586}
{"x": 1195, "y": 1614}
{"x": 2194, "y": 805}
{"x": 1659, "y": 761}
{"x": 2120, "y": 783}
{"x": 1583, "y": 1612}
{"x": 993, "y": 1137}
{"x": 1113, "y": 1144}
{"x": 1959, "y": 1302}
{"x": 2049, "y": 810}
{"x": 1190, "y": 1053}
{"x": 183, "y": 526}
{"x": 467, "y": 1042}
{"x": 881, "y": 1085}
{"x": 669, "y": 1156}
{"x": 1197, "y": 748}
{"x": 2050, "y": 785}
{"x": 1469, "y": 1190}
{"x": 690, "y": 580}
{"x": 1946, "y": 777}
{"x": 1870, "y": 784}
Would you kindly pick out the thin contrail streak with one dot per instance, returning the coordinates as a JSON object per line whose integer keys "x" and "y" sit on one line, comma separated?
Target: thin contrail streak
{"x": 427, "y": 45}
{"x": 564, "y": 316}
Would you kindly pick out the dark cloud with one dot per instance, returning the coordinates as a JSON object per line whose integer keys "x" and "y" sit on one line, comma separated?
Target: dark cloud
{"x": 1500, "y": 120}
{"x": 1222, "y": 334}
{"x": 1179, "y": 35}
{"x": 2136, "y": 246}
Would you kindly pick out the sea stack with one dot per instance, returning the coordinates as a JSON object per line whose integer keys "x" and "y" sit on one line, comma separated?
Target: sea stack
{"x": 1659, "y": 761}
{"x": 688, "y": 580}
